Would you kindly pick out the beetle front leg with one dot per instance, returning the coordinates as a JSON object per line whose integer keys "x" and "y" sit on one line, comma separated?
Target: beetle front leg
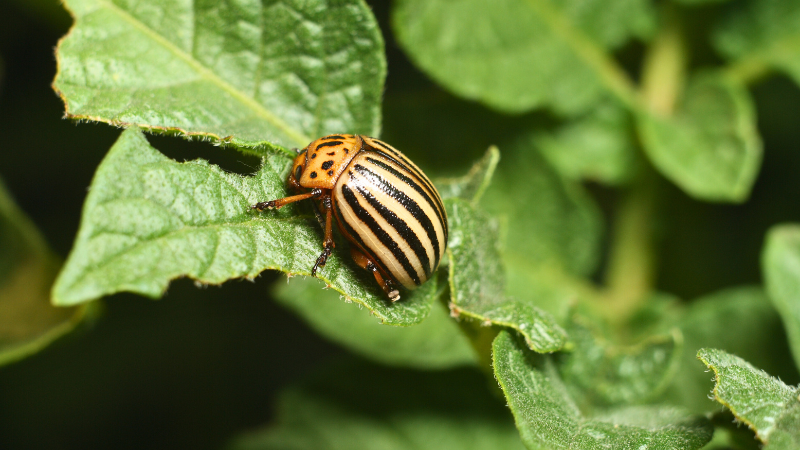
{"x": 286, "y": 200}
{"x": 327, "y": 243}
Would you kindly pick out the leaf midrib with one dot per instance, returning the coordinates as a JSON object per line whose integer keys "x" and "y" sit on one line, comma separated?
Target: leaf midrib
{"x": 299, "y": 138}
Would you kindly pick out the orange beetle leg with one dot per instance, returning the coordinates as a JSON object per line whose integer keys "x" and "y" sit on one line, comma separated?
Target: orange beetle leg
{"x": 286, "y": 200}
{"x": 327, "y": 243}
{"x": 365, "y": 262}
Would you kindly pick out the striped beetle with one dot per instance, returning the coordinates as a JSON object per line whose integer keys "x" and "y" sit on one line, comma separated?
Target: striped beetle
{"x": 384, "y": 205}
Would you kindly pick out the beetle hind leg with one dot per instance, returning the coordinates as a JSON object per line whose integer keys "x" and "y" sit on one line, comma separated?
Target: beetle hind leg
{"x": 365, "y": 262}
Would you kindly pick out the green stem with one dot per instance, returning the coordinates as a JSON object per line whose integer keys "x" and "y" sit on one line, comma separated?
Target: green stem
{"x": 630, "y": 274}
{"x": 631, "y": 270}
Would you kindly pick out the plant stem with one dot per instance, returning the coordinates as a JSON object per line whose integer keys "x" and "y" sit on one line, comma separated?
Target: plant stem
{"x": 630, "y": 275}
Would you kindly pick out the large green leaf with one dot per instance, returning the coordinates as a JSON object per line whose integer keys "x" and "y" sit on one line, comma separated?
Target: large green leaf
{"x": 769, "y": 407}
{"x": 361, "y": 407}
{"x": 517, "y": 55}
{"x": 710, "y": 148}
{"x": 477, "y": 280}
{"x": 148, "y": 220}
{"x": 284, "y": 72}
{"x": 762, "y": 32}
{"x": 436, "y": 343}
{"x": 549, "y": 418}
{"x": 28, "y": 322}
{"x": 708, "y": 321}
{"x": 781, "y": 266}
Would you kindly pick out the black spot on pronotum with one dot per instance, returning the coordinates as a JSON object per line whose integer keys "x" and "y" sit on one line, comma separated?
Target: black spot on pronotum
{"x": 298, "y": 172}
{"x": 331, "y": 153}
{"x": 313, "y": 155}
{"x": 313, "y": 175}
{"x": 327, "y": 165}
{"x": 330, "y": 173}
{"x": 333, "y": 136}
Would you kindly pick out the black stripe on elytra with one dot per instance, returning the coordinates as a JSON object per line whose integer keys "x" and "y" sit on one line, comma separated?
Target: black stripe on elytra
{"x": 400, "y": 225}
{"x": 400, "y": 159}
{"x": 414, "y": 185}
{"x": 328, "y": 144}
{"x": 380, "y": 233}
{"x": 351, "y": 233}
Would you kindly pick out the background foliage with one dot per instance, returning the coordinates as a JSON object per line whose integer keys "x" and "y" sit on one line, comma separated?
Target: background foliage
{"x": 627, "y": 218}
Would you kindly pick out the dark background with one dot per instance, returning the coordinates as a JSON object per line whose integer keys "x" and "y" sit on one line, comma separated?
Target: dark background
{"x": 201, "y": 365}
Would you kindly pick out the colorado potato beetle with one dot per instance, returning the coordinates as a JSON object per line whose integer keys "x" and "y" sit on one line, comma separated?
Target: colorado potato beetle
{"x": 384, "y": 205}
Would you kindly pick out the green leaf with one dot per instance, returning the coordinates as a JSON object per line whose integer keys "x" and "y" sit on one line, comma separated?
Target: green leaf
{"x": 28, "y": 322}
{"x": 766, "y": 405}
{"x": 471, "y": 186}
{"x": 549, "y": 418}
{"x": 601, "y": 372}
{"x": 518, "y": 55}
{"x": 551, "y": 230}
{"x": 148, "y": 220}
{"x": 360, "y": 407}
{"x": 477, "y": 280}
{"x": 598, "y": 146}
{"x": 781, "y": 266}
{"x": 246, "y": 72}
{"x": 710, "y": 148}
{"x": 708, "y": 322}
{"x": 436, "y": 343}
{"x": 762, "y": 32}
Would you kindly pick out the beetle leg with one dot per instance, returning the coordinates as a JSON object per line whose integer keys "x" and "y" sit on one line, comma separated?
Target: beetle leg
{"x": 286, "y": 200}
{"x": 327, "y": 243}
{"x": 365, "y": 262}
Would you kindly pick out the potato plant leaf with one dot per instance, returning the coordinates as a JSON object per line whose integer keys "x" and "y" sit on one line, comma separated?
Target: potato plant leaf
{"x": 518, "y": 55}
{"x": 436, "y": 343}
{"x": 28, "y": 322}
{"x": 601, "y": 372}
{"x": 248, "y": 71}
{"x": 706, "y": 322}
{"x": 477, "y": 280}
{"x": 549, "y": 418}
{"x": 710, "y": 148}
{"x": 148, "y": 220}
{"x": 781, "y": 266}
{"x": 765, "y": 404}
{"x": 367, "y": 407}
{"x": 598, "y": 146}
{"x": 762, "y": 32}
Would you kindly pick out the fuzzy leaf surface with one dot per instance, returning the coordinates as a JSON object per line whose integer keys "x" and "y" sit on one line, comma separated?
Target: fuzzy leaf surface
{"x": 367, "y": 407}
{"x": 768, "y": 406}
{"x": 148, "y": 220}
{"x": 710, "y": 148}
{"x": 284, "y": 72}
{"x": 706, "y": 322}
{"x": 436, "y": 343}
{"x": 762, "y": 32}
{"x": 518, "y": 55}
{"x": 549, "y": 418}
{"x": 28, "y": 322}
{"x": 781, "y": 266}
{"x": 477, "y": 280}
{"x": 601, "y": 372}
